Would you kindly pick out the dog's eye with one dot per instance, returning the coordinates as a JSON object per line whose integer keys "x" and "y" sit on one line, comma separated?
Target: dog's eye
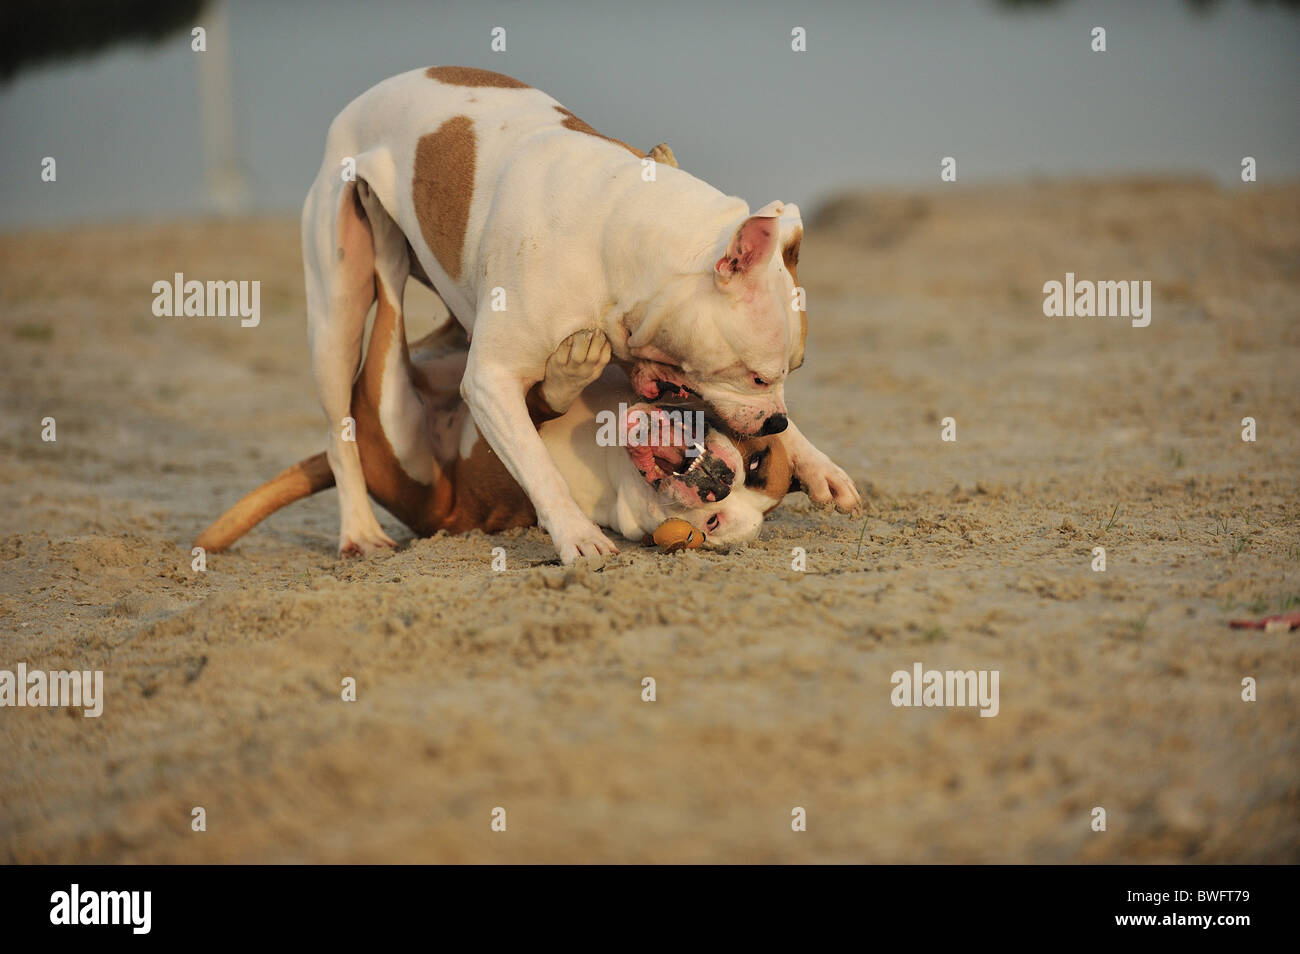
{"x": 759, "y": 381}
{"x": 712, "y": 525}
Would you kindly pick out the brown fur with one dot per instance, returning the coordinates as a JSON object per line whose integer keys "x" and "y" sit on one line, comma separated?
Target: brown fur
{"x": 467, "y": 493}
{"x": 399, "y": 493}
{"x": 469, "y": 76}
{"x": 577, "y": 125}
{"x": 790, "y": 255}
{"x": 480, "y": 495}
{"x": 443, "y": 187}
{"x": 774, "y": 476}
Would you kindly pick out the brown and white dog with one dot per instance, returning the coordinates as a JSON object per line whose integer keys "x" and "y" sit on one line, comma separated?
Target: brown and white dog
{"x": 532, "y": 226}
{"x": 425, "y": 462}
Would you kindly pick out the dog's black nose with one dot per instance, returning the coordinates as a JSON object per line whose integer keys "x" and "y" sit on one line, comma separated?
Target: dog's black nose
{"x": 774, "y": 425}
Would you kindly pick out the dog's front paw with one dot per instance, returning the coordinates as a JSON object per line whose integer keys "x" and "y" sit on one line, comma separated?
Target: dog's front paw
{"x": 577, "y": 362}
{"x": 825, "y": 482}
{"x": 581, "y": 539}
{"x": 363, "y": 541}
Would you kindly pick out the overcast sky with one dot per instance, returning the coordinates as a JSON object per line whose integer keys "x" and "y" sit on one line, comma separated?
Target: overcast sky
{"x": 884, "y": 91}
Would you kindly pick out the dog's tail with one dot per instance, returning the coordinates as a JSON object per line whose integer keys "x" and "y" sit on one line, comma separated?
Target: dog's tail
{"x": 301, "y": 480}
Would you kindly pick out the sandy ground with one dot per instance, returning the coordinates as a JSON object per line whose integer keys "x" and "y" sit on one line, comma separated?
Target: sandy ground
{"x": 522, "y": 689}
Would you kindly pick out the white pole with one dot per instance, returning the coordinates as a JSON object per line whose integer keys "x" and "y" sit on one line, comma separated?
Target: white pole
{"x": 228, "y": 191}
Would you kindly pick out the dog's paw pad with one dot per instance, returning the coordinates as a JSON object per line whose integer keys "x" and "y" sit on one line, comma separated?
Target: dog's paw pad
{"x": 577, "y": 362}
{"x": 663, "y": 154}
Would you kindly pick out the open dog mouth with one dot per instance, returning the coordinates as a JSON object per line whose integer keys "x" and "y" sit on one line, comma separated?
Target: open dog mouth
{"x": 704, "y": 472}
{"x": 669, "y": 458}
{"x": 657, "y": 382}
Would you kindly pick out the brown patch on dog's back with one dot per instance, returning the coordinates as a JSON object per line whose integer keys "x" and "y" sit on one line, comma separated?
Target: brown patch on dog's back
{"x": 577, "y": 125}
{"x": 443, "y": 186}
{"x": 469, "y": 76}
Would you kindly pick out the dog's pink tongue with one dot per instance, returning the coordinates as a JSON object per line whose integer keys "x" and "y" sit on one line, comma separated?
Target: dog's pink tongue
{"x": 655, "y": 446}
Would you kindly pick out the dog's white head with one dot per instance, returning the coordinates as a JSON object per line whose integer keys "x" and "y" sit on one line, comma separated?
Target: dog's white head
{"x": 729, "y": 336}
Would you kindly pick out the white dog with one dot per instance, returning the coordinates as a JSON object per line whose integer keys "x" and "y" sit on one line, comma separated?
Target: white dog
{"x": 531, "y": 226}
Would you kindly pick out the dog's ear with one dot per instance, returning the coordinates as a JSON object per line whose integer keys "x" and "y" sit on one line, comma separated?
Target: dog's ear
{"x": 791, "y": 238}
{"x": 750, "y": 248}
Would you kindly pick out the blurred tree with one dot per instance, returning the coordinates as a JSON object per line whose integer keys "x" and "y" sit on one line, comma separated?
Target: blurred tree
{"x": 54, "y": 29}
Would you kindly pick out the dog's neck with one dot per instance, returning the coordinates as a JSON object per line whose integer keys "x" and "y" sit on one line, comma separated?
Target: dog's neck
{"x": 667, "y": 230}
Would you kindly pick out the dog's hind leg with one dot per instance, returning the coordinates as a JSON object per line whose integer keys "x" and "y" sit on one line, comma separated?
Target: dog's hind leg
{"x": 388, "y": 378}
{"x": 339, "y": 261}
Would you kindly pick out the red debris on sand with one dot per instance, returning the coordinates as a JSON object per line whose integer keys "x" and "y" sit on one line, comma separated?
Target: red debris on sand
{"x": 1292, "y": 621}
